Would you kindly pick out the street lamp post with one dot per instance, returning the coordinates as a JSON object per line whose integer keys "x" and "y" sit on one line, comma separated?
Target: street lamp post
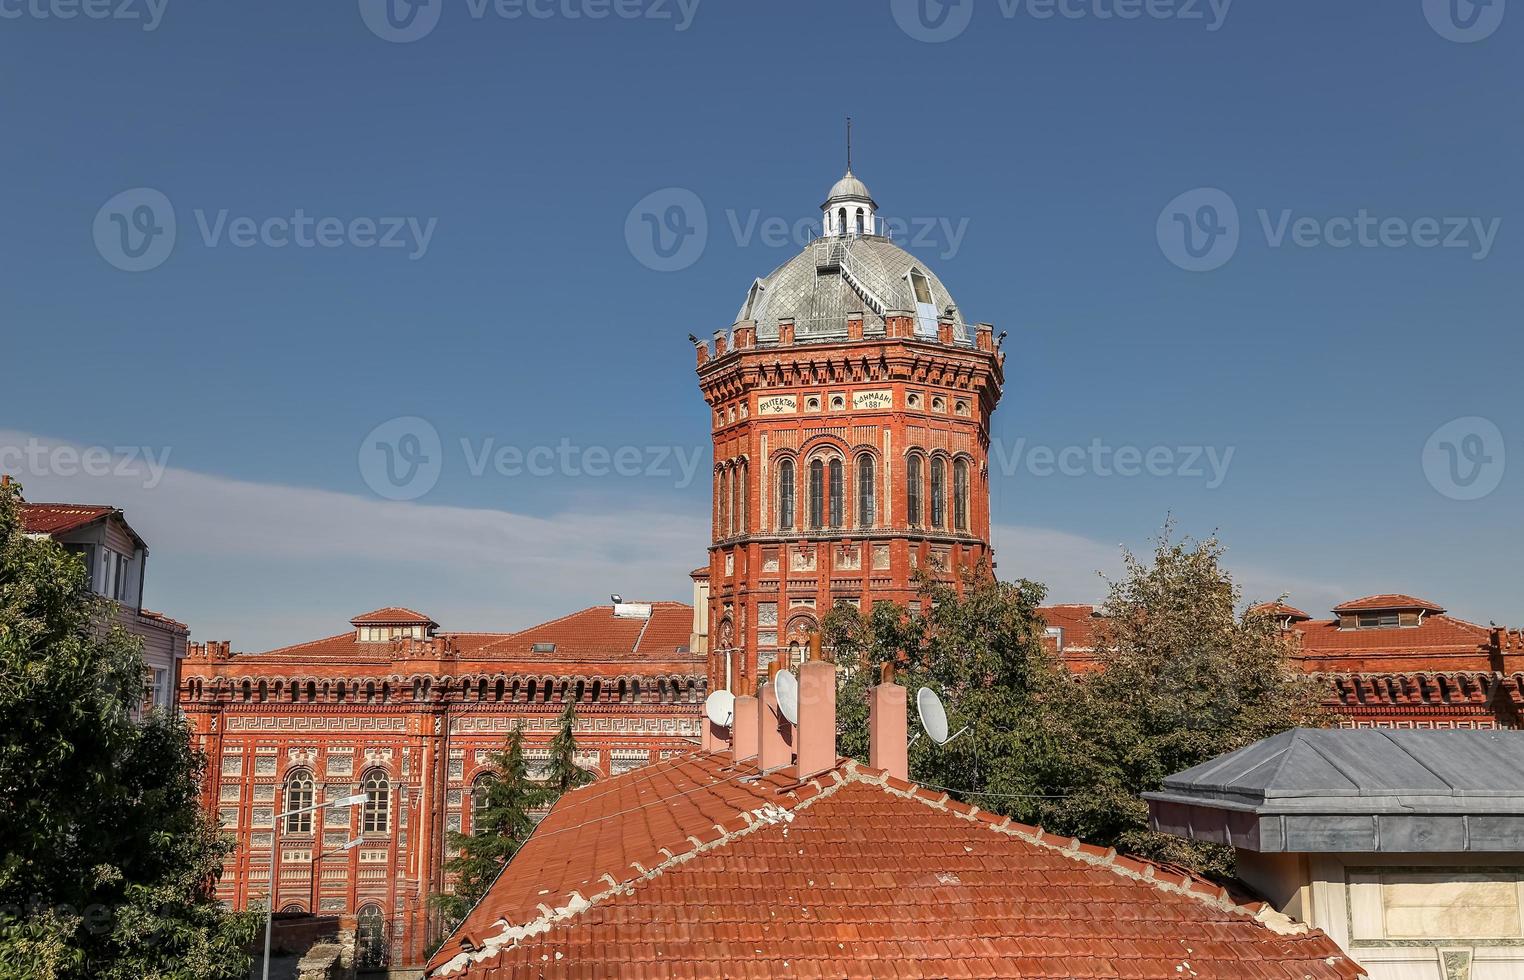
{"x": 343, "y": 801}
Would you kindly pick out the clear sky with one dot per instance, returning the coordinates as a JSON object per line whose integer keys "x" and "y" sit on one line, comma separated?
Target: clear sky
{"x": 1289, "y": 231}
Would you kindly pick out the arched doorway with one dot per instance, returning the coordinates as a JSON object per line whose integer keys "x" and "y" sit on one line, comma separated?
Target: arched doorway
{"x": 372, "y": 950}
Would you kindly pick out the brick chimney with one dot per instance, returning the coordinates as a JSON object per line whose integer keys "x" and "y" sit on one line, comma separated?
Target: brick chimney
{"x": 887, "y": 745}
{"x": 815, "y": 744}
{"x": 744, "y": 732}
{"x": 775, "y": 736}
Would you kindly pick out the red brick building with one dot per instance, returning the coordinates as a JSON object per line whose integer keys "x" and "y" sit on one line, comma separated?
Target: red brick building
{"x": 1390, "y": 661}
{"x": 408, "y": 714}
{"x": 851, "y": 405}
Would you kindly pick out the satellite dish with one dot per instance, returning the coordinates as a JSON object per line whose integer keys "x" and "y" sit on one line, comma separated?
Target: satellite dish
{"x": 720, "y": 706}
{"x": 933, "y": 716}
{"x": 786, "y": 687}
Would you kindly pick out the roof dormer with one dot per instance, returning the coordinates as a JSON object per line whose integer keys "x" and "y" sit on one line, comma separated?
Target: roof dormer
{"x": 1389, "y": 611}
{"x": 392, "y": 623}
{"x": 1285, "y": 614}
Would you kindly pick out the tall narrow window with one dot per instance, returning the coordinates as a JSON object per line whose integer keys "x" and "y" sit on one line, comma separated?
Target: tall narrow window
{"x": 375, "y": 817}
{"x": 841, "y": 221}
{"x": 938, "y": 492}
{"x": 738, "y": 501}
{"x": 865, "y": 499}
{"x": 836, "y": 493}
{"x": 724, "y": 498}
{"x": 913, "y": 491}
{"x": 480, "y": 792}
{"x": 960, "y": 494}
{"x": 299, "y": 797}
{"x": 859, "y": 221}
{"x": 817, "y": 494}
{"x": 786, "y": 495}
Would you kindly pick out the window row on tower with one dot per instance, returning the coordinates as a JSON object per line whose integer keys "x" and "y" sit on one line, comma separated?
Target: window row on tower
{"x": 813, "y": 495}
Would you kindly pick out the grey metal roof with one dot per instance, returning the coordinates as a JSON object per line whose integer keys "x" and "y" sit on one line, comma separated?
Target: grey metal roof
{"x": 1354, "y": 790}
{"x": 812, "y": 290}
{"x": 849, "y": 187}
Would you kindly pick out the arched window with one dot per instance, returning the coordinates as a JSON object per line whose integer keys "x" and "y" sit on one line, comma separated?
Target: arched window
{"x": 723, "y": 495}
{"x": 841, "y": 221}
{"x": 371, "y": 947}
{"x": 299, "y": 797}
{"x": 938, "y": 492}
{"x": 786, "y": 495}
{"x": 865, "y": 499}
{"x": 375, "y": 817}
{"x": 859, "y": 221}
{"x": 246, "y": 690}
{"x": 836, "y": 493}
{"x": 480, "y": 790}
{"x": 960, "y": 494}
{"x": 817, "y": 494}
{"x": 264, "y": 690}
{"x": 738, "y": 500}
{"x": 597, "y": 691}
{"x": 913, "y": 479}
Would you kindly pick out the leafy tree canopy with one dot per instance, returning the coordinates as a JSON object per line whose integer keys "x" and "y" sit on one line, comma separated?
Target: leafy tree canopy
{"x": 109, "y": 863}
{"x": 1181, "y": 679}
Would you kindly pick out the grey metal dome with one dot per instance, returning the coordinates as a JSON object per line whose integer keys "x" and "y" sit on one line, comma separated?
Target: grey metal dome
{"x": 839, "y": 275}
{"x": 849, "y": 188}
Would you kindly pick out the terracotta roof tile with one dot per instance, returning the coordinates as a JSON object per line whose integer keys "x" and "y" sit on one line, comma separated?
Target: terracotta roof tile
{"x": 1389, "y": 600}
{"x": 866, "y": 877}
{"x": 59, "y": 518}
{"x": 392, "y": 616}
{"x": 1279, "y": 610}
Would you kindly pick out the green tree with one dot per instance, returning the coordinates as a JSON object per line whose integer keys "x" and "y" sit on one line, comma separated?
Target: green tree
{"x": 109, "y": 864}
{"x": 503, "y": 820}
{"x": 983, "y": 654}
{"x": 1183, "y": 678}
{"x": 562, "y": 772}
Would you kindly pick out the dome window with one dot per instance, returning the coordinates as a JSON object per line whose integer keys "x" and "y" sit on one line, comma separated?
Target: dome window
{"x": 925, "y": 306}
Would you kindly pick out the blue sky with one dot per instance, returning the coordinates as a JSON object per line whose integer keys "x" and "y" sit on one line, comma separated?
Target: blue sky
{"x": 1041, "y": 165}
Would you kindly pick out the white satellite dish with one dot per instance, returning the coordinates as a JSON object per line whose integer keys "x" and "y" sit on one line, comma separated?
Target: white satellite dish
{"x": 933, "y": 716}
{"x": 720, "y": 706}
{"x": 786, "y": 687}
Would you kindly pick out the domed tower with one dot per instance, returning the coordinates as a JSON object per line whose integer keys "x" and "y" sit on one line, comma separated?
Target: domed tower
{"x": 850, "y": 406}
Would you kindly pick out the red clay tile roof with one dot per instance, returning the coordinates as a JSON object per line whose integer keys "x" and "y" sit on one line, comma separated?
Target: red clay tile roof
{"x": 1279, "y": 610}
{"x": 1387, "y": 601}
{"x": 392, "y": 616}
{"x": 1077, "y": 620}
{"x": 163, "y": 621}
{"x": 693, "y": 867}
{"x": 59, "y": 518}
{"x": 591, "y": 641}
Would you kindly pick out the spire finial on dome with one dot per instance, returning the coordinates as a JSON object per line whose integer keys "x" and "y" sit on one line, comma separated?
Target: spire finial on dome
{"x": 849, "y": 144}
